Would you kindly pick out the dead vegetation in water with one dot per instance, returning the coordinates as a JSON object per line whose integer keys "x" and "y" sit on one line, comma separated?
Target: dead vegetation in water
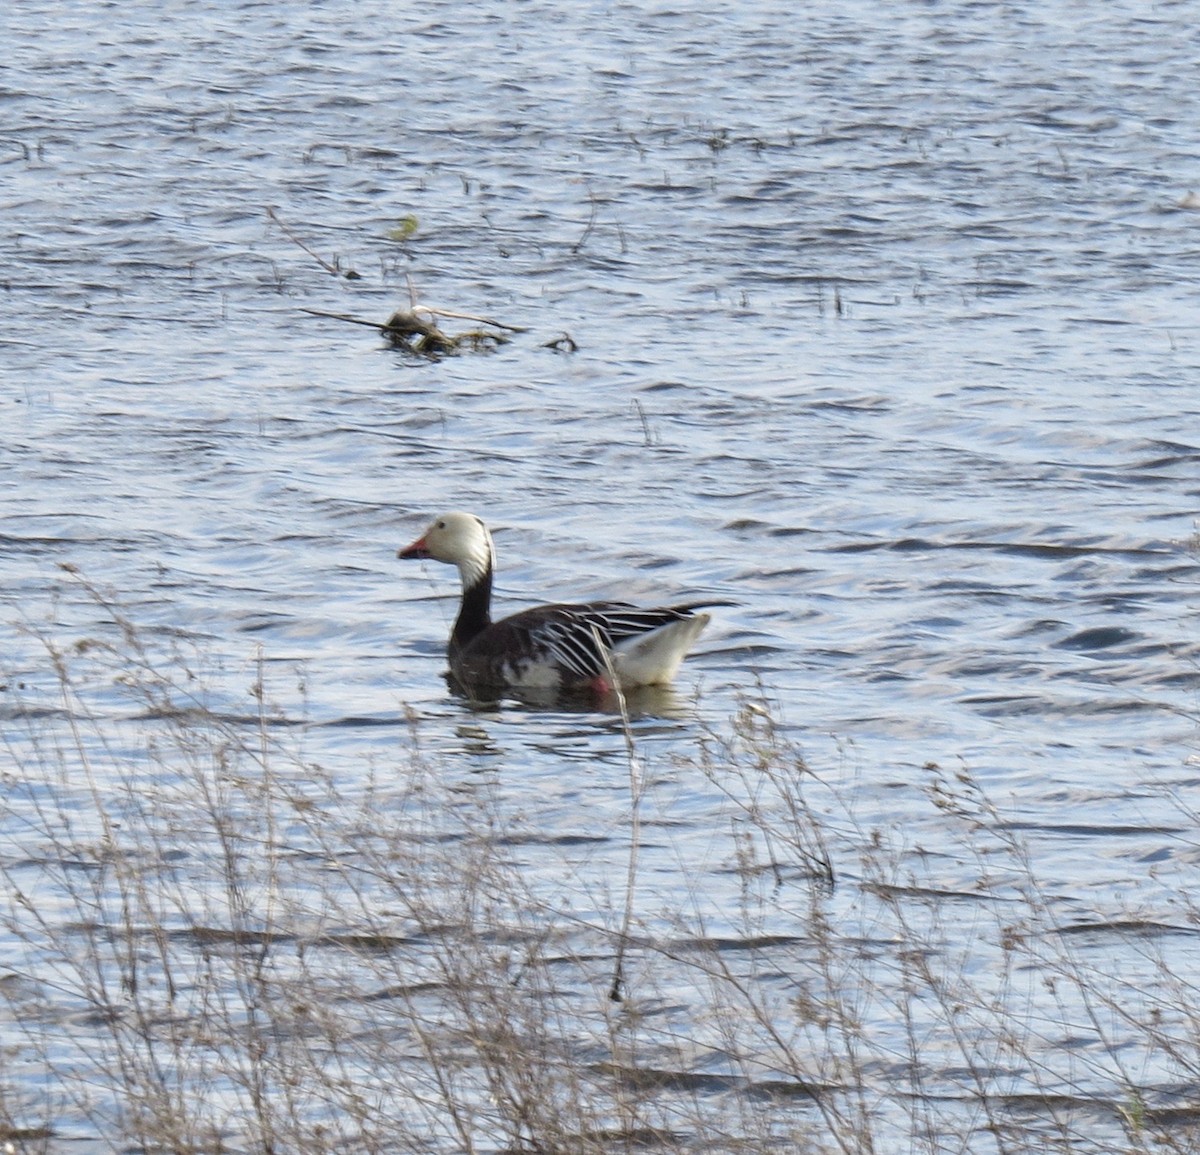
{"x": 418, "y": 329}
{"x": 218, "y": 945}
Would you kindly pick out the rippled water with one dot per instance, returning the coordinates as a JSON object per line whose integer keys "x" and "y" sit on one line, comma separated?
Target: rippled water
{"x": 886, "y": 330}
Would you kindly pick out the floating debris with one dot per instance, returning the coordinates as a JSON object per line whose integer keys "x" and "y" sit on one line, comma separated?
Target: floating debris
{"x": 416, "y": 331}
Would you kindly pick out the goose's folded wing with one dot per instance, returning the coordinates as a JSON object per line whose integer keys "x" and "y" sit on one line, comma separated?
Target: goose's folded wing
{"x": 580, "y": 637}
{"x": 617, "y": 621}
{"x": 578, "y": 642}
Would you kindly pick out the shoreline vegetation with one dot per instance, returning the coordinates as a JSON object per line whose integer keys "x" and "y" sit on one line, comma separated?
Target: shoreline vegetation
{"x": 216, "y": 945}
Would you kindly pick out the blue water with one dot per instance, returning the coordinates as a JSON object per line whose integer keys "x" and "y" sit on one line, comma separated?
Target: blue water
{"x": 885, "y": 327}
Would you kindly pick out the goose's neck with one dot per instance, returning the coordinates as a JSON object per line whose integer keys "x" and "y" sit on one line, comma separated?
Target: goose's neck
{"x": 475, "y": 613}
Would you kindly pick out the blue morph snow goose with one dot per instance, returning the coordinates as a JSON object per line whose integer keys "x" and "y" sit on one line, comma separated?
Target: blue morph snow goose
{"x": 552, "y": 647}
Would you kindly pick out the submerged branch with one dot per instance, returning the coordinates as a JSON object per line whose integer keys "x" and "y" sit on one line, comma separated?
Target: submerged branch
{"x": 288, "y": 232}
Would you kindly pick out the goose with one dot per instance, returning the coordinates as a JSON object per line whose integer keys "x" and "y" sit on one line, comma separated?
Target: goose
{"x": 551, "y": 647}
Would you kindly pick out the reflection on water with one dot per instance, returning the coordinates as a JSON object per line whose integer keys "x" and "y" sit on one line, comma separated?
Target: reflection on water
{"x": 636, "y": 701}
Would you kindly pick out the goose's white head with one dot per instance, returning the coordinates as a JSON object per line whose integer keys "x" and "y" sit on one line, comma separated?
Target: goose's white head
{"x": 460, "y": 539}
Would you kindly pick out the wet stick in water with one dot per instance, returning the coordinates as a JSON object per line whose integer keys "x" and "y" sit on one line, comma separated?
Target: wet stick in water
{"x": 332, "y": 269}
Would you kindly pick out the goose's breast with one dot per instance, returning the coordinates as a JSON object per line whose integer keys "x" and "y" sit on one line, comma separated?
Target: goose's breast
{"x": 508, "y": 655}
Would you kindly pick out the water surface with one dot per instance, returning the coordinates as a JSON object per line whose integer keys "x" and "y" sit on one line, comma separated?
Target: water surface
{"x": 885, "y": 331}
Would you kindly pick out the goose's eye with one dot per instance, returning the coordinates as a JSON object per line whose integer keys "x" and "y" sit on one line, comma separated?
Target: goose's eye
{"x": 441, "y": 525}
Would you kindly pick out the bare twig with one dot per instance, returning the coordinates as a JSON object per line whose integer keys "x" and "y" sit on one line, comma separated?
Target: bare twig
{"x": 333, "y": 270}
{"x": 343, "y": 317}
{"x": 591, "y": 224}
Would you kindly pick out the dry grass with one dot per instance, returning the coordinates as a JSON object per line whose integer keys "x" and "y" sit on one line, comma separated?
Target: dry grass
{"x": 214, "y": 945}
